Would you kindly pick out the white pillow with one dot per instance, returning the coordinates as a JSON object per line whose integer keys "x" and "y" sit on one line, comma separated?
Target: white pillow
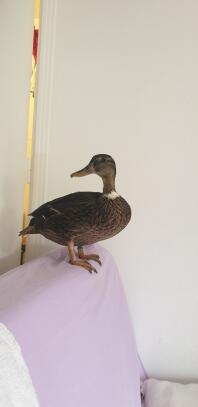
{"x": 159, "y": 393}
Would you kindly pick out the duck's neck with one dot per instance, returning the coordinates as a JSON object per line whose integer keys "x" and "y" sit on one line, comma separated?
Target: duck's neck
{"x": 108, "y": 184}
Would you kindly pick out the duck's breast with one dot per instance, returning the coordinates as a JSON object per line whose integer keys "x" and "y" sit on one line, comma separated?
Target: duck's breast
{"x": 110, "y": 218}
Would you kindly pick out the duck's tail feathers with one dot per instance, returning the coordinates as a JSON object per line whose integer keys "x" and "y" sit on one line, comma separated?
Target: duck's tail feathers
{"x": 29, "y": 230}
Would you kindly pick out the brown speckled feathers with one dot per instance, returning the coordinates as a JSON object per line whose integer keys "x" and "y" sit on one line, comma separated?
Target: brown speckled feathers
{"x": 84, "y": 217}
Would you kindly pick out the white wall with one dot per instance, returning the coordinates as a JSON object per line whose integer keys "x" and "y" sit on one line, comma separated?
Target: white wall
{"x": 16, "y": 30}
{"x": 124, "y": 82}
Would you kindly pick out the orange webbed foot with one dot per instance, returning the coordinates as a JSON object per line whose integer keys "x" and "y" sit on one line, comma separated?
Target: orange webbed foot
{"x": 83, "y": 259}
{"x": 92, "y": 256}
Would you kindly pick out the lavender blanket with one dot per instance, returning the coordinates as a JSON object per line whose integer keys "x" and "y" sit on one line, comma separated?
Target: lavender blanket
{"x": 74, "y": 330}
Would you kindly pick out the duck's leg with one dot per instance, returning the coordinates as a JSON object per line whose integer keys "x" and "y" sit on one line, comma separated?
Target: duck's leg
{"x": 84, "y": 256}
{"x": 78, "y": 262}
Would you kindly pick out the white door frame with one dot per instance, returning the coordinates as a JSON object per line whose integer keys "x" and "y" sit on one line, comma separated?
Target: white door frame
{"x": 42, "y": 125}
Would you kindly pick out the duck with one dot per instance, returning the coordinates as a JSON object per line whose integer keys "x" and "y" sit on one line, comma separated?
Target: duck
{"x": 83, "y": 218}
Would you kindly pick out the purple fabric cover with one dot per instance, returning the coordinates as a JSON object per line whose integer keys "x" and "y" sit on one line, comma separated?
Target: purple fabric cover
{"x": 74, "y": 330}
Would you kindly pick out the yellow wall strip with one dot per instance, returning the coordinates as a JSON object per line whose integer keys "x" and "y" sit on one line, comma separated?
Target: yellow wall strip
{"x": 30, "y": 126}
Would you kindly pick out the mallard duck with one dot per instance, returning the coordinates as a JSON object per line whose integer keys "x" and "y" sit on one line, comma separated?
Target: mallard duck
{"x": 83, "y": 218}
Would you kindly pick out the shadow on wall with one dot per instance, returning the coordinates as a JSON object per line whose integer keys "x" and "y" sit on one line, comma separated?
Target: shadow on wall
{"x": 13, "y": 259}
{"x": 9, "y": 241}
{"x": 38, "y": 246}
{"x": 9, "y": 262}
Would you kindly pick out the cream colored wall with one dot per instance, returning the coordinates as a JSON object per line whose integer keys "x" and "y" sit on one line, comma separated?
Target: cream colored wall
{"x": 16, "y": 30}
{"x": 124, "y": 82}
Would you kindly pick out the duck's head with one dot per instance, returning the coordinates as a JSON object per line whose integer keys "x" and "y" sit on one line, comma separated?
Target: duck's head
{"x": 100, "y": 164}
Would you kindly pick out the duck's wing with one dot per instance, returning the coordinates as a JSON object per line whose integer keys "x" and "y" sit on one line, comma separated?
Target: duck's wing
{"x": 72, "y": 205}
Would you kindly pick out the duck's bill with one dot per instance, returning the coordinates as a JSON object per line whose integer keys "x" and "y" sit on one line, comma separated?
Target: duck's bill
{"x": 85, "y": 171}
